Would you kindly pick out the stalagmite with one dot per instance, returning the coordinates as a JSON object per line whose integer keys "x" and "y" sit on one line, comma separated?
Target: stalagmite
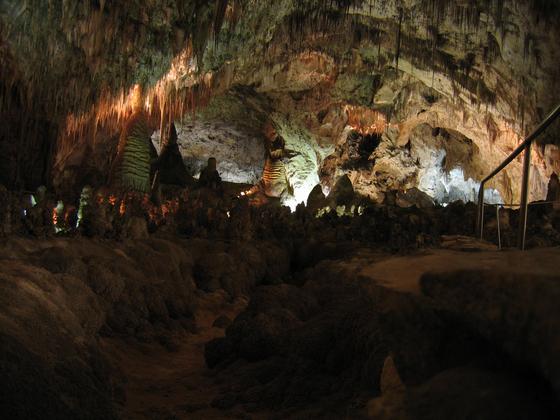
{"x": 164, "y": 257}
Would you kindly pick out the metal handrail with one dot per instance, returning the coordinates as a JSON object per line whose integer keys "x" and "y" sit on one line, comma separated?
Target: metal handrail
{"x": 526, "y": 147}
{"x": 499, "y": 206}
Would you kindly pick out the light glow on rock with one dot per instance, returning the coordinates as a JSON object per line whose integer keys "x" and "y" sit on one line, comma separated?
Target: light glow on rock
{"x": 301, "y": 192}
{"x": 365, "y": 121}
{"x": 302, "y": 167}
{"x": 448, "y": 187}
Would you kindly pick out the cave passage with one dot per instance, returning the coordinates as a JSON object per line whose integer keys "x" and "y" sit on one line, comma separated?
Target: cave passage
{"x": 245, "y": 209}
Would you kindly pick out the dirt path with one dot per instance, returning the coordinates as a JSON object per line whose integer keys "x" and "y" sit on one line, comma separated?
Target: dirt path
{"x": 403, "y": 273}
{"x": 172, "y": 381}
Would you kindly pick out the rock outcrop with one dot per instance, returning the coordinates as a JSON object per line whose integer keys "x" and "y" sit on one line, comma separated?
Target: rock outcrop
{"x": 517, "y": 311}
{"x": 339, "y": 339}
{"x": 60, "y": 297}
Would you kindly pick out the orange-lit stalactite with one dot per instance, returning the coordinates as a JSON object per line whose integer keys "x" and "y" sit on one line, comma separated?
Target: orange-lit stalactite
{"x": 366, "y": 121}
{"x": 181, "y": 90}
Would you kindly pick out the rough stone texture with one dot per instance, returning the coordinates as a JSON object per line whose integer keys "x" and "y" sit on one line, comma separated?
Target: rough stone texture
{"x": 58, "y": 296}
{"x": 342, "y": 192}
{"x": 520, "y": 312}
{"x": 463, "y": 393}
{"x": 414, "y": 197}
{"x": 327, "y": 340}
{"x": 170, "y": 166}
{"x": 76, "y": 311}
{"x": 240, "y": 155}
{"x": 340, "y": 338}
{"x": 49, "y": 364}
{"x": 316, "y": 199}
{"x": 464, "y": 84}
{"x": 486, "y": 70}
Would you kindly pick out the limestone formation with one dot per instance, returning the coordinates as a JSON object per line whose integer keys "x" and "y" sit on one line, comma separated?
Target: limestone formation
{"x": 316, "y": 199}
{"x": 274, "y": 180}
{"x": 334, "y": 265}
{"x": 209, "y": 177}
{"x": 342, "y": 192}
{"x": 553, "y": 192}
{"x": 170, "y": 167}
{"x": 132, "y": 167}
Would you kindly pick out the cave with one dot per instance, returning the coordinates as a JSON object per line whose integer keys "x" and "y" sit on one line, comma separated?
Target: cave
{"x": 250, "y": 209}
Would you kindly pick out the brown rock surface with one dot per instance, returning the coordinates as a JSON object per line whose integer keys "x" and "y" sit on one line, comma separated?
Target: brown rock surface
{"x": 62, "y": 298}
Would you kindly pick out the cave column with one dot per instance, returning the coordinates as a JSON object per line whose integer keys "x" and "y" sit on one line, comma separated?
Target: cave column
{"x": 524, "y": 197}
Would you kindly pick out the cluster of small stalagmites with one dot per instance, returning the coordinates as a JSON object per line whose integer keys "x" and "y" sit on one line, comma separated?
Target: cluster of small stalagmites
{"x": 198, "y": 210}
{"x": 207, "y": 212}
{"x": 405, "y": 221}
{"x": 26, "y": 213}
{"x": 119, "y": 215}
{"x": 94, "y": 213}
{"x": 410, "y": 219}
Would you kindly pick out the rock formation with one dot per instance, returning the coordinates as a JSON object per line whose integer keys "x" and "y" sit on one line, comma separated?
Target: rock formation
{"x": 163, "y": 258}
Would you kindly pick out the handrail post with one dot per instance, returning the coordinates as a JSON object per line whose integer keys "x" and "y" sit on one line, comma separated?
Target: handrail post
{"x": 524, "y": 197}
{"x": 480, "y": 211}
{"x": 498, "y": 222}
{"x": 525, "y": 146}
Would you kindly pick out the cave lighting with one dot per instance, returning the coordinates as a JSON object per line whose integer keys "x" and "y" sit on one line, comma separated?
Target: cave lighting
{"x": 57, "y": 215}
{"x": 301, "y": 193}
{"x": 122, "y": 208}
{"x": 168, "y": 99}
{"x": 54, "y": 217}
{"x": 365, "y": 121}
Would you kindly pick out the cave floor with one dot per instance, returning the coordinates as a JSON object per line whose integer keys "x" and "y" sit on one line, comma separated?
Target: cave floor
{"x": 125, "y": 299}
{"x": 403, "y": 273}
{"x": 170, "y": 380}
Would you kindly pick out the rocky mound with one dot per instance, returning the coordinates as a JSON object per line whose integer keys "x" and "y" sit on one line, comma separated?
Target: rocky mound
{"x": 517, "y": 312}
{"x": 323, "y": 349}
{"x": 57, "y": 297}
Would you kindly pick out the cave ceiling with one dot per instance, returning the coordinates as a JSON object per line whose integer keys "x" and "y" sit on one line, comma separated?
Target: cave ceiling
{"x": 487, "y": 69}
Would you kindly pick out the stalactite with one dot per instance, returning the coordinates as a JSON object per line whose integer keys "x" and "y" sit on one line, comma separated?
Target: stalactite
{"x": 219, "y": 16}
{"x": 379, "y": 52}
{"x": 499, "y": 13}
{"x": 398, "y": 46}
{"x": 432, "y": 30}
{"x": 236, "y": 12}
{"x": 81, "y": 21}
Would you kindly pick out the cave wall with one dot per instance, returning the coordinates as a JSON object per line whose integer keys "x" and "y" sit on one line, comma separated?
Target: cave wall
{"x": 27, "y": 135}
{"x": 479, "y": 72}
{"x": 485, "y": 69}
{"x": 239, "y": 155}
